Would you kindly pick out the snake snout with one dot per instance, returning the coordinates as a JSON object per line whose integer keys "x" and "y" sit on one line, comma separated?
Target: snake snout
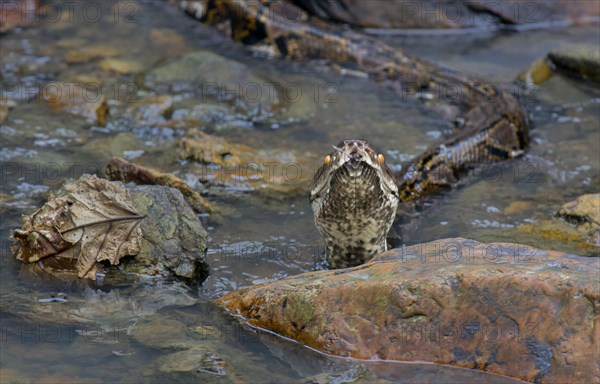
{"x": 356, "y": 158}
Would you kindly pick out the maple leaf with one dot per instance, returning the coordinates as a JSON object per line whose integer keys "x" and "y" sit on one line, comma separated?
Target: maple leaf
{"x": 94, "y": 221}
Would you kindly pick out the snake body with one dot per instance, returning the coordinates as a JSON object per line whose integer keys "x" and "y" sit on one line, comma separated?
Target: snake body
{"x": 354, "y": 195}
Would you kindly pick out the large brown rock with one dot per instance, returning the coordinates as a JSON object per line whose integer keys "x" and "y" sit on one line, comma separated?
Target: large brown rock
{"x": 504, "y": 308}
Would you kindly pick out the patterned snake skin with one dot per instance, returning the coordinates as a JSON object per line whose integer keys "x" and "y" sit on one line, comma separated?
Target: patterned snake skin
{"x": 354, "y": 195}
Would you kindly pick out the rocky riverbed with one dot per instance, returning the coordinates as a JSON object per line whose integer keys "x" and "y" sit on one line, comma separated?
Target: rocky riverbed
{"x": 138, "y": 83}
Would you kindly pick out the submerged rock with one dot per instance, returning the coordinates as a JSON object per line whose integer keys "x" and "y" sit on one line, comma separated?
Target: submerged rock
{"x": 90, "y": 52}
{"x": 216, "y": 79}
{"x": 123, "y": 307}
{"x": 192, "y": 360}
{"x": 162, "y": 332}
{"x": 556, "y": 234}
{"x": 167, "y": 40}
{"x": 503, "y": 308}
{"x": 5, "y": 106}
{"x": 584, "y": 212}
{"x": 151, "y": 109}
{"x": 223, "y": 164}
{"x": 87, "y": 102}
{"x": 214, "y": 117}
{"x": 579, "y": 230}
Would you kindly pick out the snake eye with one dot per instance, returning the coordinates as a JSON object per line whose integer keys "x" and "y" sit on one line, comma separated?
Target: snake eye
{"x": 380, "y": 158}
{"x": 327, "y": 160}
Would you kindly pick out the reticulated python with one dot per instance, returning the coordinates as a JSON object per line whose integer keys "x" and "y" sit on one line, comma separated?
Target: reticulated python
{"x": 354, "y": 195}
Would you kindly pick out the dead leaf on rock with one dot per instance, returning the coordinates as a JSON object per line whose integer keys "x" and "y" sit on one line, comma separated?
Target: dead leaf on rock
{"x": 92, "y": 222}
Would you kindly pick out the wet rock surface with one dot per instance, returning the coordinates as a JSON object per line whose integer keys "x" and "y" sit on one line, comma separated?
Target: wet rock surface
{"x": 538, "y": 72}
{"x": 575, "y": 224}
{"x": 219, "y": 163}
{"x": 555, "y": 233}
{"x": 174, "y": 240}
{"x": 499, "y": 307}
{"x": 584, "y": 212}
{"x": 86, "y": 53}
{"x": 580, "y": 60}
{"x": 77, "y": 100}
{"x": 215, "y": 78}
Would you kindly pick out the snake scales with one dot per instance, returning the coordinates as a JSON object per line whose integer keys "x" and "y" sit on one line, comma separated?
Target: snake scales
{"x": 354, "y": 195}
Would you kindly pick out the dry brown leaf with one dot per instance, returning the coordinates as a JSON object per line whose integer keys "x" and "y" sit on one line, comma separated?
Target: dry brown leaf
{"x": 92, "y": 222}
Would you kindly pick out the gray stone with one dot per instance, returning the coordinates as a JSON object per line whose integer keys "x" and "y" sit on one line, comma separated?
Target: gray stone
{"x": 174, "y": 240}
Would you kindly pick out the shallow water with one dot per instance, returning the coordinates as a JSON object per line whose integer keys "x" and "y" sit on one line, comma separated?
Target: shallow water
{"x": 257, "y": 238}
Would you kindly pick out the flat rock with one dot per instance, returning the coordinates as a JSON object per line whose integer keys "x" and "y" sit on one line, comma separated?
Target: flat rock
{"x": 504, "y": 308}
{"x": 273, "y": 173}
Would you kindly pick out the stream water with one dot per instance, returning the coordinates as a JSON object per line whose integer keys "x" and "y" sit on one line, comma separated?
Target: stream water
{"x": 259, "y": 237}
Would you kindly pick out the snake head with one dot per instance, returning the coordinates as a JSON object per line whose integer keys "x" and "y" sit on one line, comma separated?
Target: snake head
{"x": 354, "y": 156}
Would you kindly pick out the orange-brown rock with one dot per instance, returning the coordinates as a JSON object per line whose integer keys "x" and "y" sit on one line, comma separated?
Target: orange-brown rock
{"x": 271, "y": 172}
{"x": 504, "y": 308}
